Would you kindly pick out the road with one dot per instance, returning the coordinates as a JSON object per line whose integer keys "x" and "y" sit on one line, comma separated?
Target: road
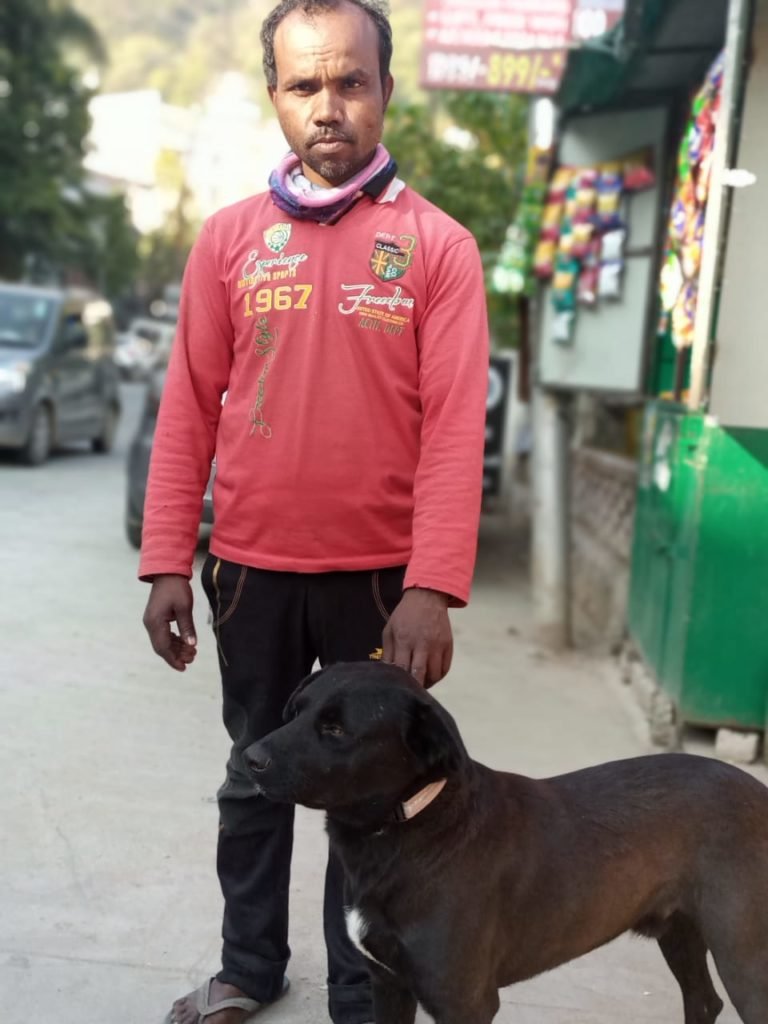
{"x": 98, "y": 740}
{"x": 109, "y": 764}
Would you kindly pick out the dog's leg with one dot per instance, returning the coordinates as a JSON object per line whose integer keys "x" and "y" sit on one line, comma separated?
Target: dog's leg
{"x": 743, "y": 967}
{"x": 686, "y": 953}
{"x": 393, "y": 1002}
{"x": 470, "y": 1013}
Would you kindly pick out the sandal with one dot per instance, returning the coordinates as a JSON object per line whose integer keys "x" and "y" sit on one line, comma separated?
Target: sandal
{"x": 205, "y": 1008}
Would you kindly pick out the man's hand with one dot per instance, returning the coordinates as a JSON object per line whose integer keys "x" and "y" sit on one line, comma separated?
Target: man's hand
{"x": 171, "y": 601}
{"x": 418, "y": 636}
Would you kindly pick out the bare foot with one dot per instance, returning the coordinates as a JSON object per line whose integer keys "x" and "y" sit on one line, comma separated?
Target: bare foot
{"x": 185, "y": 1009}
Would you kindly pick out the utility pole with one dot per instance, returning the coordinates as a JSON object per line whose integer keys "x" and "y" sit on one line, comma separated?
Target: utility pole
{"x": 549, "y": 463}
{"x": 550, "y": 548}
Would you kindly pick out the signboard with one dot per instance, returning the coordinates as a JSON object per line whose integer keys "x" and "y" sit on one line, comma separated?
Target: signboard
{"x": 508, "y": 45}
{"x": 535, "y": 71}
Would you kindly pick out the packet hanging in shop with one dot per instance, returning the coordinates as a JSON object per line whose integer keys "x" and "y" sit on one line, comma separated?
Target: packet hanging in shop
{"x": 567, "y": 239}
{"x": 612, "y": 246}
{"x": 609, "y": 188}
{"x": 544, "y": 259}
{"x": 562, "y": 327}
{"x": 564, "y": 284}
{"x": 571, "y": 205}
{"x": 586, "y": 194}
{"x": 583, "y": 234}
{"x": 638, "y": 172}
{"x": 589, "y": 280}
{"x": 672, "y": 281}
{"x": 551, "y": 221}
{"x": 559, "y": 185}
{"x": 609, "y": 283}
{"x": 692, "y": 249}
{"x": 684, "y": 316}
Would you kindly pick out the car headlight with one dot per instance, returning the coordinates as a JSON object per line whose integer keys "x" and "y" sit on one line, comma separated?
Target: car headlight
{"x": 13, "y": 378}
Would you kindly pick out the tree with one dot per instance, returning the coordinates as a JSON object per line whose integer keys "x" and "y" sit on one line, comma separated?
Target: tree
{"x": 43, "y": 123}
{"x": 164, "y": 252}
{"x": 101, "y": 243}
{"x": 180, "y": 48}
{"x": 475, "y": 178}
{"x": 50, "y": 225}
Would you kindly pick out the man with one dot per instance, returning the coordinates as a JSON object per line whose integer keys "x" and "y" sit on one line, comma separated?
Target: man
{"x": 343, "y": 318}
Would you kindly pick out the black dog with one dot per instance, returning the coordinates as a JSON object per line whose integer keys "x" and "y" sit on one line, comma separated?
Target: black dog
{"x": 463, "y": 880}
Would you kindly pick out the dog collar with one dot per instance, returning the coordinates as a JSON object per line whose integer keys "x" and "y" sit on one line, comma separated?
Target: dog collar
{"x": 410, "y": 808}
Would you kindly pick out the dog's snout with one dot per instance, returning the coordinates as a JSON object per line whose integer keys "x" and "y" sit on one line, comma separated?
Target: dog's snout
{"x": 257, "y": 758}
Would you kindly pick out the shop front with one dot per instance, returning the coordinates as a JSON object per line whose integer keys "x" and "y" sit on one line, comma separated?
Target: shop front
{"x": 624, "y": 106}
{"x": 700, "y": 557}
{"x": 652, "y": 338}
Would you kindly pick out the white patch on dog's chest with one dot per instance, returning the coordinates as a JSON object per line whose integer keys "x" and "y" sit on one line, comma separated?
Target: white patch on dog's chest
{"x": 357, "y": 929}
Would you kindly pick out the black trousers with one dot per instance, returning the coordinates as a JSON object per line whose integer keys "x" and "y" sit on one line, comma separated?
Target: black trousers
{"x": 270, "y": 627}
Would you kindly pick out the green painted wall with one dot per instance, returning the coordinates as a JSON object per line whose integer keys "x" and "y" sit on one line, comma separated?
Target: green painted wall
{"x": 699, "y": 586}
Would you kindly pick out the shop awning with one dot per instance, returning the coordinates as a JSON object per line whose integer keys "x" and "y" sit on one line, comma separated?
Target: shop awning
{"x": 659, "y": 47}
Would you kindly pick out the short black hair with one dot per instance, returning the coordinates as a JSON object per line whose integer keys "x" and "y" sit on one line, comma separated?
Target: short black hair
{"x": 377, "y": 11}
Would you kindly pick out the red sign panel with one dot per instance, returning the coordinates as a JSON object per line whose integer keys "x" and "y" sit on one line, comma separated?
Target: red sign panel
{"x": 533, "y": 71}
{"x": 508, "y": 45}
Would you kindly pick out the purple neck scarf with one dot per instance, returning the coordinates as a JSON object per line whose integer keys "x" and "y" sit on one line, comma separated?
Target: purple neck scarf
{"x": 327, "y": 205}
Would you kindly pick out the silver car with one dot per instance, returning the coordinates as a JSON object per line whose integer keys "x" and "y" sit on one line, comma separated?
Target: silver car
{"x": 58, "y": 380}
{"x": 144, "y": 347}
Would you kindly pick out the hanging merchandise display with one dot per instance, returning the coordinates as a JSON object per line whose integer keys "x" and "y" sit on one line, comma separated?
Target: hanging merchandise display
{"x": 685, "y": 235}
{"x": 589, "y": 278}
{"x": 514, "y": 270}
{"x": 583, "y": 234}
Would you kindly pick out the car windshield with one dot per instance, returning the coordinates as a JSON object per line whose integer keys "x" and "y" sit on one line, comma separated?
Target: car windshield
{"x": 24, "y": 318}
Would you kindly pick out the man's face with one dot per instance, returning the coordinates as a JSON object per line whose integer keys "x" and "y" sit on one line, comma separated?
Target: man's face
{"x": 329, "y": 96}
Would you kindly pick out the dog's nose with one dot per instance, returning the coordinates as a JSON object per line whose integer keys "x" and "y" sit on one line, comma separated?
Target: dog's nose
{"x": 257, "y": 758}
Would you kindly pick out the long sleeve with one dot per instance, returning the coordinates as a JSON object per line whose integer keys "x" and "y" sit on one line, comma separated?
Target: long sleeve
{"x": 353, "y": 430}
{"x": 453, "y": 386}
{"x": 185, "y": 438}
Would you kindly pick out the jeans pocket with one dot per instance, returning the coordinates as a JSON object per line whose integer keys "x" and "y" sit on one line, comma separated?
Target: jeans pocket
{"x": 226, "y": 588}
{"x": 387, "y": 589}
{"x": 223, "y": 583}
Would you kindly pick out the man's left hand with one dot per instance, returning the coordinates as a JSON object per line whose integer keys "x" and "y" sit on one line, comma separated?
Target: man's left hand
{"x": 418, "y": 636}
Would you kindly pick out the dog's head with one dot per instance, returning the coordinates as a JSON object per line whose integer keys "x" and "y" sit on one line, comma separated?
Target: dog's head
{"x": 356, "y": 734}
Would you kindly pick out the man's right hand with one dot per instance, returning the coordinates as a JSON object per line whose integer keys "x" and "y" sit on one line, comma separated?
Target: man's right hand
{"x": 170, "y": 601}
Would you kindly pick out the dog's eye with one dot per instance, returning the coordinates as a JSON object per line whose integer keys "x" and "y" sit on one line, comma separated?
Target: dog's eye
{"x": 331, "y": 729}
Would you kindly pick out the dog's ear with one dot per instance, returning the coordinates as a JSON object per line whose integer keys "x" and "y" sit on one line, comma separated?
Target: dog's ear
{"x": 431, "y": 734}
{"x": 289, "y": 711}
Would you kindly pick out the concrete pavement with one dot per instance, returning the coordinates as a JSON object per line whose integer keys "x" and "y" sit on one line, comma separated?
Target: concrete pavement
{"x": 110, "y": 904}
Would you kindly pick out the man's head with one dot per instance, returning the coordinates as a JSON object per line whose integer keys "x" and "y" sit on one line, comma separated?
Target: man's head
{"x": 327, "y": 69}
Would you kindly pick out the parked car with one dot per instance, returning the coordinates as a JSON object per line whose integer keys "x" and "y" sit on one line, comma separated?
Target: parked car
{"x": 143, "y": 347}
{"x": 138, "y": 464}
{"x": 58, "y": 381}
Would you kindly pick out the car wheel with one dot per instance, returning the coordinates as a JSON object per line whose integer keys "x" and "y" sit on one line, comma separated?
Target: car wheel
{"x": 37, "y": 447}
{"x": 106, "y": 439}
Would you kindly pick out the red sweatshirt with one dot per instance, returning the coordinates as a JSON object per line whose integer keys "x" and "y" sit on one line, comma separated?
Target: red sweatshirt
{"x": 354, "y": 358}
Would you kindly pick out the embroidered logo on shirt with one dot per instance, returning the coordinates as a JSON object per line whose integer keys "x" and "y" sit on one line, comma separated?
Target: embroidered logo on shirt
{"x": 392, "y": 255}
{"x": 377, "y": 312}
{"x": 278, "y": 236}
{"x": 265, "y": 345}
{"x": 364, "y": 295}
{"x": 278, "y": 268}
